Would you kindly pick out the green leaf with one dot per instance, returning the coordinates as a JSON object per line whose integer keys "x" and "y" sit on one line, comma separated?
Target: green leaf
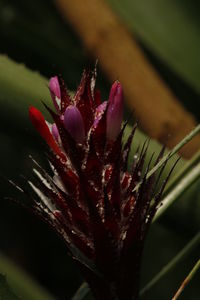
{"x": 82, "y": 292}
{"x": 180, "y": 183}
{"x": 5, "y": 291}
{"x": 170, "y": 29}
{"x": 20, "y": 87}
{"x": 17, "y": 282}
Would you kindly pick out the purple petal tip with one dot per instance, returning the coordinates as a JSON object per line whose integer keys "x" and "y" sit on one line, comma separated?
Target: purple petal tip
{"x": 73, "y": 123}
{"x": 54, "y": 88}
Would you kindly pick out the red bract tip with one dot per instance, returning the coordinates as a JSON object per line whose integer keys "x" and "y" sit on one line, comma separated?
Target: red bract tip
{"x": 39, "y": 123}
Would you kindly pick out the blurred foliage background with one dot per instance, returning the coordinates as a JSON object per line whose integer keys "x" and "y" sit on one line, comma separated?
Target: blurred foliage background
{"x": 37, "y": 34}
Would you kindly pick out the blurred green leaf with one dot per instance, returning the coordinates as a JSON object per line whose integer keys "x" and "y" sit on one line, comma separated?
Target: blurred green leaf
{"x": 170, "y": 29}
{"x": 5, "y": 291}
{"x": 18, "y": 283}
{"x": 20, "y": 87}
{"x": 82, "y": 292}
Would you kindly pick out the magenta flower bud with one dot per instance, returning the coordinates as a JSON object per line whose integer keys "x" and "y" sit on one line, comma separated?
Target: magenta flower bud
{"x": 115, "y": 111}
{"x": 54, "y": 131}
{"x": 73, "y": 122}
{"x": 54, "y": 87}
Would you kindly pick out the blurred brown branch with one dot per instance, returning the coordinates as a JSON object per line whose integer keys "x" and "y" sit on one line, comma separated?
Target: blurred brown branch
{"x": 160, "y": 114}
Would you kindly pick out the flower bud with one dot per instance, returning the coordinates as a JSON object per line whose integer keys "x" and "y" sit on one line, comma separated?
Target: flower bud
{"x": 115, "y": 111}
{"x": 54, "y": 88}
{"x": 73, "y": 122}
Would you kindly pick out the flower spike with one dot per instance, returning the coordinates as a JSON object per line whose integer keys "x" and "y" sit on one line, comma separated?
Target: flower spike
{"x": 91, "y": 199}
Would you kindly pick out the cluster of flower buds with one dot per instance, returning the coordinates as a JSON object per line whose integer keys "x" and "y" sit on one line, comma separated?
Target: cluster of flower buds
{"x": 74, "y": 121}
{"x": 91, "y": 198}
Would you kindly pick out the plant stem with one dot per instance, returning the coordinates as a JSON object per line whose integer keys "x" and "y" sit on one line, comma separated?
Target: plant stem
{"x": 187, "y": 280}
{"x": 185, "y": 251}
{"x": 81, "y": 292}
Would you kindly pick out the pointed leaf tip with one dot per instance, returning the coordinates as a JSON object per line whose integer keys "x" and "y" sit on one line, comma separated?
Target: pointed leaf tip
{"x": 115, "y": 111}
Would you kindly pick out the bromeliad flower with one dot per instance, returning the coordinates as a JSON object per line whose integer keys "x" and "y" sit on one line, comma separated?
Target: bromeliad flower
{"x": 91, "y": 199}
